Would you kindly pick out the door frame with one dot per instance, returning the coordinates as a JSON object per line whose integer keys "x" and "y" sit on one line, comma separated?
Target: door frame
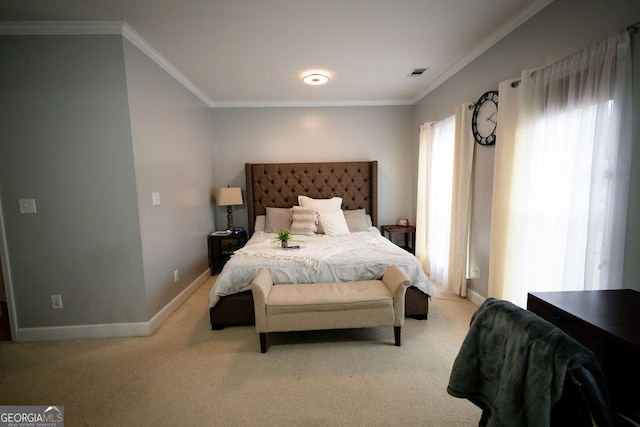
{"x": 6, "y": 275}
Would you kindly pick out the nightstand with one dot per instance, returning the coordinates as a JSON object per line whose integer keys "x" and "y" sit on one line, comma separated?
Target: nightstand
{"x": 409, "y": 231}
{"x": 221, "y": 247}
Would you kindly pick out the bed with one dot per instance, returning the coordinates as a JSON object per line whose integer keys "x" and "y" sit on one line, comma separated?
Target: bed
{"x": 271, "y": 189}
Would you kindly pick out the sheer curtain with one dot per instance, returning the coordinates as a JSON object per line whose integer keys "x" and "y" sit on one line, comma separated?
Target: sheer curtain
{"x": 461, "y": 214}
{"x": 435, "y": 172}
{"x": 426, "y": 136}
{"x": 561, "y": 177}
{"x": 443, "y": 199}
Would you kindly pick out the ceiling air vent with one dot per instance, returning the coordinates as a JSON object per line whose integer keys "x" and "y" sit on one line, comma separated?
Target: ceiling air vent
{"x": 417, "y": 72}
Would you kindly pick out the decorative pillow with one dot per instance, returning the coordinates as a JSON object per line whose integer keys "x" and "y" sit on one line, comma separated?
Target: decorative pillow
{"x": 277, "y": 219}
{"x": 334, "y": 223}
{"x": 321, "y": 205}
{"x": 259, "y": 225}
{"x": 356, "y": 220}
{"x": 304, "y": 221}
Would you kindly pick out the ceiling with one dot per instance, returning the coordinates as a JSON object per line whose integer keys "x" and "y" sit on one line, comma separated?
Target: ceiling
{"x": 253, "y": 52}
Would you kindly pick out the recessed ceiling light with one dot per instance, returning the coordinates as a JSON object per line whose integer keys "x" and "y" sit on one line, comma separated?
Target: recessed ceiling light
{"x": 315, "y": 79}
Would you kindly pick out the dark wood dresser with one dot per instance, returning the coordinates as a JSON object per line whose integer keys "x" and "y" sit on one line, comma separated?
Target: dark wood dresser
{"x": 608, "y": 323}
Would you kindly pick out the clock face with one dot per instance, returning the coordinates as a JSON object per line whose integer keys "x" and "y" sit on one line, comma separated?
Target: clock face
{"x": 484, "y": 120}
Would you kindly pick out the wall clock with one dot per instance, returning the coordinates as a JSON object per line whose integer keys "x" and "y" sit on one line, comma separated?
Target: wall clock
{"x": 484, "y": 120}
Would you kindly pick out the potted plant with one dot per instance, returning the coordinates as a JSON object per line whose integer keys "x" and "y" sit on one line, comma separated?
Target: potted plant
{"x": 284, "y": 235}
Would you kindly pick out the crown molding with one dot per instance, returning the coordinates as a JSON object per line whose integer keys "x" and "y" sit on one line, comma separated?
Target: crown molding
{"x": 494, "y": 38}
{"x": 60, "y": 27}
{"x": 102, "y": 27}
{"x": 137, "y": 40}
{"x": 122, "y": 28}
{"x": 268, "y": 104}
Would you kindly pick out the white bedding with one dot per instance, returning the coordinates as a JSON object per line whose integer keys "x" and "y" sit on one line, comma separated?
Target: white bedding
{"x": 362, "y": 255}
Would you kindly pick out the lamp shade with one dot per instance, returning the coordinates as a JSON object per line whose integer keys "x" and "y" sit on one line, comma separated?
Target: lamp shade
{"x": 228, "y": 196}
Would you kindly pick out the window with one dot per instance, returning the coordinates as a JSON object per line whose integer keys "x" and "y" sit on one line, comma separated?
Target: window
{"x": 562, "y": 168}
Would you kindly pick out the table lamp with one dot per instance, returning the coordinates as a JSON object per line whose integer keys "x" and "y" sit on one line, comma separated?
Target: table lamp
{"x": 229, "y": 196}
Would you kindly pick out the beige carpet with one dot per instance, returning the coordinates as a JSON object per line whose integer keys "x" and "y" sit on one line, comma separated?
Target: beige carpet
{"x": 187, "y": 374}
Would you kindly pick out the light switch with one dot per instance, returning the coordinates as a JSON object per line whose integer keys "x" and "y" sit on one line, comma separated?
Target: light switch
{"x": 155, "y": 196}
{"x": 27, "y": 206}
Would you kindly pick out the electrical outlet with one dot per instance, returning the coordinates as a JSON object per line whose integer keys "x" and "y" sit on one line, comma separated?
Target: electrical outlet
{"x": 176, "y": 276}
{"x": 27, "y": 206}
{"x": 155, "y": 198}
{"x": 475, "y": 273}
{"x": 56, "y": 301}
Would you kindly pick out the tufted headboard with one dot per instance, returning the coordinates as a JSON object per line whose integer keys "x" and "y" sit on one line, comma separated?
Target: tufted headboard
{"x": 278, "y": 185}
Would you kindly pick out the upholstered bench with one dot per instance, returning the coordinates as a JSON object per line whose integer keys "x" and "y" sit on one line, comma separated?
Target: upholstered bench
{"x": 343, "y": 305}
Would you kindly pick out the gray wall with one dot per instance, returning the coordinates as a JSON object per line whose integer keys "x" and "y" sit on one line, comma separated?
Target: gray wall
{"x": 173, "y": 155}
{"x": 90, "y": 128}
{"x": 268, "y": 135}
{"x": 66, "y": 142}
{"x": 563, "y": 27}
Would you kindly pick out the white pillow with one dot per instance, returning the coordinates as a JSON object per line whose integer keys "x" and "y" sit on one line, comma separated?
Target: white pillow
{"x": 303, "y": 221}
{"x": 321, "y": 205}
{"x": 334, "y": 223}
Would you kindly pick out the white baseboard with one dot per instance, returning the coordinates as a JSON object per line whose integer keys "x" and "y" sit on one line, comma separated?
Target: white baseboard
{"x": 110, "y": 330}
{"x": 475, "y": 297}
{"x": 160, "y": 317}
